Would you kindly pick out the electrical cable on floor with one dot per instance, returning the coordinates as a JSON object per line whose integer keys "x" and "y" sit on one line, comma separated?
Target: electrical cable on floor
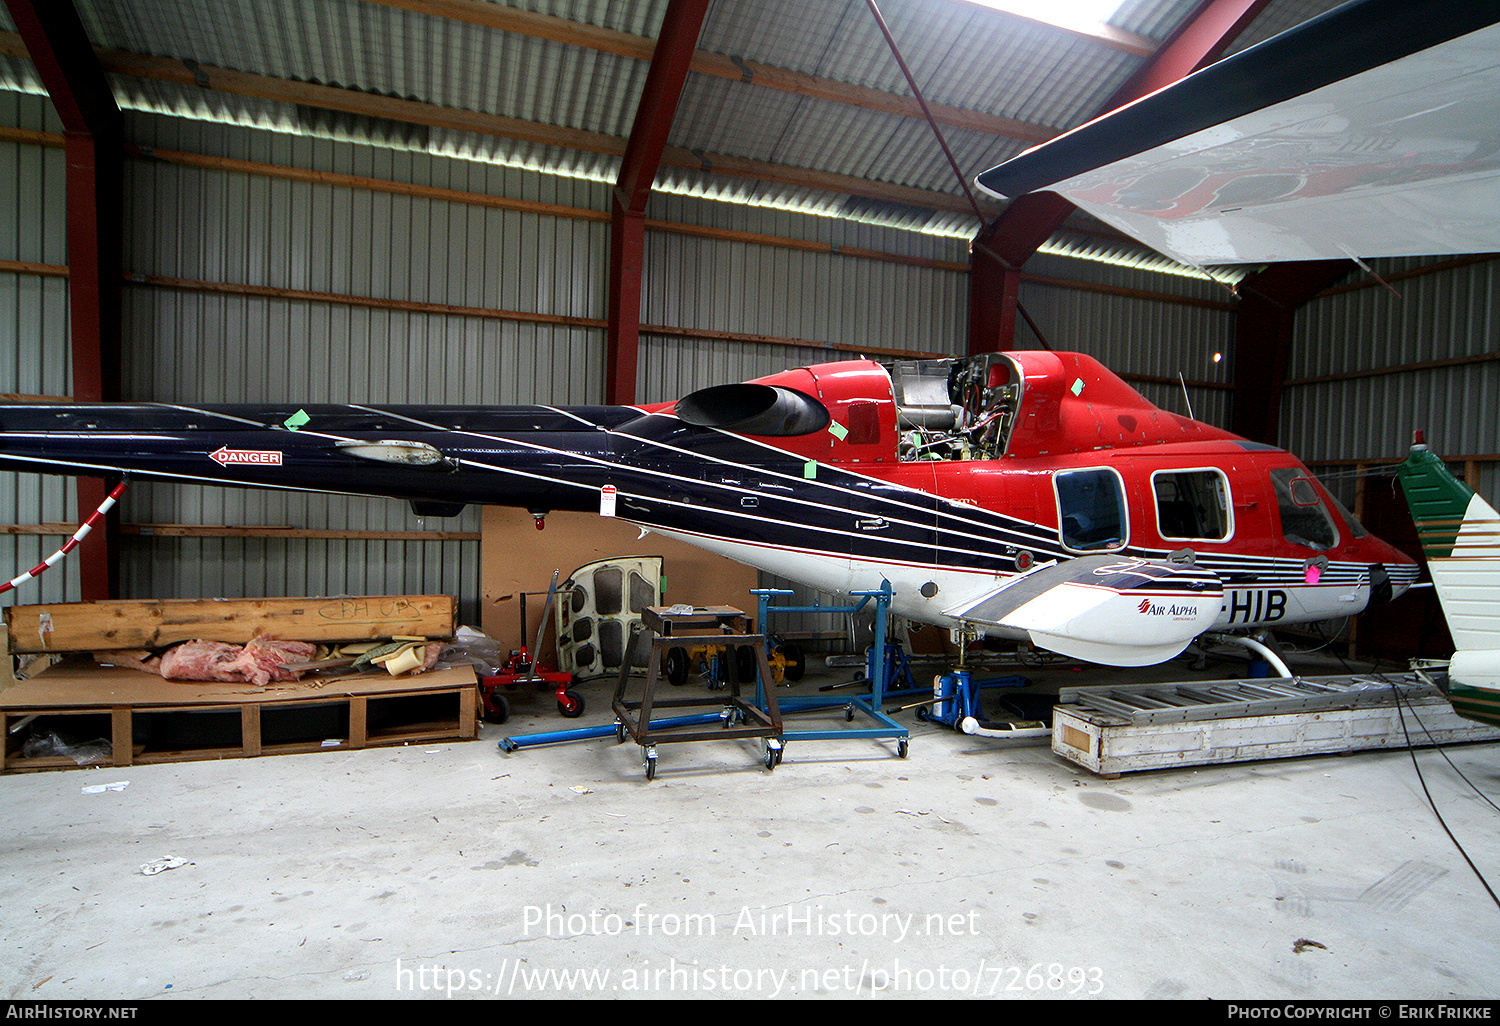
{"x": 1412, "y": 752}
{"x": 1440, "y": 750}
{"x": 1433, "y": 742}
{"x": 1317, "y": 628}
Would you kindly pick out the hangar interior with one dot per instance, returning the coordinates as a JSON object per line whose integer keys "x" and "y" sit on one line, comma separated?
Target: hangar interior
{"x": 415, "y": 201}
{"x": 272, "y": 248}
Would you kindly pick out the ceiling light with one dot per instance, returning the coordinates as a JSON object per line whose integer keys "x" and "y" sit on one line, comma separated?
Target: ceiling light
{"x": 1070, "y": 14}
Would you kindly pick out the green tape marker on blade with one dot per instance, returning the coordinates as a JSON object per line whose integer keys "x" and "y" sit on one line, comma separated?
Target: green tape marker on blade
{"x": 810, "y": 469}
{"x": 296, "y": 420}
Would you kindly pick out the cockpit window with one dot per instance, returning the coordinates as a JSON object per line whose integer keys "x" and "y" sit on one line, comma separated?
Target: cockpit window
{"x": 1304, "y": 518}
{"x": 1091, "y": 509}
{"x": 1355, "y": 527}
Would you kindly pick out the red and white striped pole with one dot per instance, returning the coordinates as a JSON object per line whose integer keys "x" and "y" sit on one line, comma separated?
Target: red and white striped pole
{"x": 71, "y": 543}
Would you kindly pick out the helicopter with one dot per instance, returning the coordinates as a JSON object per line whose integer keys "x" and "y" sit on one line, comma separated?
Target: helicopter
{"x": 1029, "y": 495}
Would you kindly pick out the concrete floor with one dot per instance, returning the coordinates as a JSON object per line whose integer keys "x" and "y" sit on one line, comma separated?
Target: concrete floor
{"x": 973, "y": 867}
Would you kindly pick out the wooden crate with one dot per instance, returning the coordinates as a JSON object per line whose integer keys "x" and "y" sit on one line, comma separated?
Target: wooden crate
{"x": 234, "y": 720}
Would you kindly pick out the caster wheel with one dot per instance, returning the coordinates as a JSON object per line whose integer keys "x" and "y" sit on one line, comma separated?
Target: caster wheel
{"x": 773, "y": 755}
{"x": 651, "y": 764}
{"x": 676, "y": 667}
{"x": 922, "y": 713}
{"x": 570, "y": 705}
{"x": 848, "y": 714}
{"x": 619, "y": 733}
{"x": 902, "y": 747}
{"x": 496, "y": 708}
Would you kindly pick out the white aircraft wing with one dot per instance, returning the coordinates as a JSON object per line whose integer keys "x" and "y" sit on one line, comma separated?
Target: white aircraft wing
{"x": 1104, "y": 609}
{"x": 1373, "y": 130}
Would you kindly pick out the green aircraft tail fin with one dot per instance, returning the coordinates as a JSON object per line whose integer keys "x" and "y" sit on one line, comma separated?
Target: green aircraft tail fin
{"x": 1460, "y": 534}
{"x": 1438, "y": 501}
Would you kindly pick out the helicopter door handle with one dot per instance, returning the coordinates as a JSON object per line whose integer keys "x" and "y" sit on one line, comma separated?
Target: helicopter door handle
{"x": 872, "y": 524}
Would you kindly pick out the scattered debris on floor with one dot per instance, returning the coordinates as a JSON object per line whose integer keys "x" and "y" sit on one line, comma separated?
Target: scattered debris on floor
{"x": 163, "y": 864}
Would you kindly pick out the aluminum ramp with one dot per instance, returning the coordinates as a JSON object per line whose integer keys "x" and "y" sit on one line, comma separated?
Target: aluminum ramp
{"x": 1127, "y": 728}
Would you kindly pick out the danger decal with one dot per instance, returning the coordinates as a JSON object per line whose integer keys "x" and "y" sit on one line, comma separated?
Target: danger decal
{"x": 248, "y": 457}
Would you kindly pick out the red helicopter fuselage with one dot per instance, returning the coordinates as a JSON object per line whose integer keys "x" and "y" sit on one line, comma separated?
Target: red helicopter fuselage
{"x": 1073, "y": 458}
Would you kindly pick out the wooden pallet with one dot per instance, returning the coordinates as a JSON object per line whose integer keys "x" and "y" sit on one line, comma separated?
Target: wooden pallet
{"x": 150, "y": 720}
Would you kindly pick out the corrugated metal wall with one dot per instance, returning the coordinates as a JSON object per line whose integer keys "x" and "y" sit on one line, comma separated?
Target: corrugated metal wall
{"x": 192, "y": 346}
{"x": 35, "y": 357}
{"x": 1136, "y": 336}
{"x": 723, "y": 285}
{"x": 1335, "y": 408}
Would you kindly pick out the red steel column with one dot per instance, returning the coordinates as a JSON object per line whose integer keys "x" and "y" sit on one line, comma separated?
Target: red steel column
{"x": 993, "y": 292}
{"x": 648, "y": 138}
{"x": 1029, "y": 220}
{"x": 93, "y": 129}
{"x": 627, "y": 252}
{"x": 1263, "y": 338}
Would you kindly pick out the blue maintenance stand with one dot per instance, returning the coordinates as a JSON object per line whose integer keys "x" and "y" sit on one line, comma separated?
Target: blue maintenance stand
{"x": 900, "y": 682}
{"x": 616, "y": 730}
{"x": 956, "y": 697}
{"x": 871, "y": 705}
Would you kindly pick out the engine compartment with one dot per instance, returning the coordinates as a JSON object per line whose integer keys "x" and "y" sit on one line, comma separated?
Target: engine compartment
{"x": 956, "y": 409}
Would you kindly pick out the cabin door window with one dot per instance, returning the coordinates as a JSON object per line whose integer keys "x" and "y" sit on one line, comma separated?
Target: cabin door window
{"x": 1091, "y": 509}
{"x": 1192, "y": 505}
